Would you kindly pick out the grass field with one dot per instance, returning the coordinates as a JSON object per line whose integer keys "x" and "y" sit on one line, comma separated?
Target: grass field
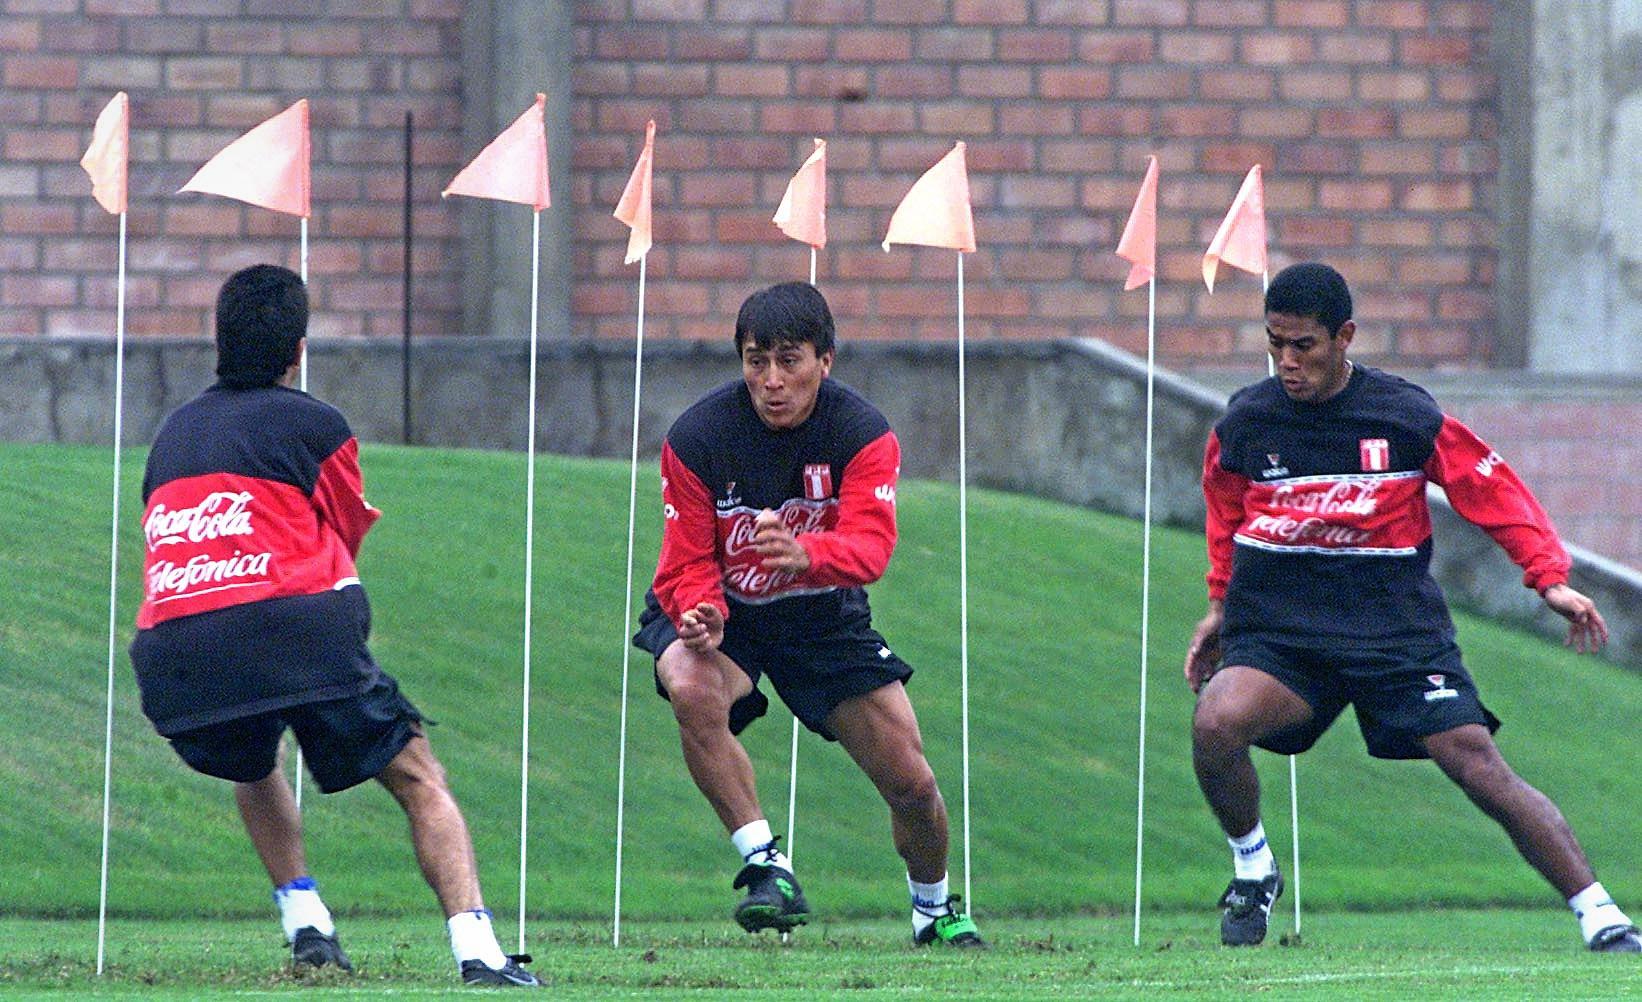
{"x": 1054, "y": 681}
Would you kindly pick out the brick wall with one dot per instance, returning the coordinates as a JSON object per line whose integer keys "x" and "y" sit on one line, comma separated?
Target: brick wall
{"x": 1375, "y": 123}
{"x": 200, "y": 73}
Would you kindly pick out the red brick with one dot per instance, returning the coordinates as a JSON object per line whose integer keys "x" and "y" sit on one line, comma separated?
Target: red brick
{"x": 719, "y": 188}
{"x": 241, "y": 36}
{"x": 1235, "y": 158}
{"x": 830, "y": 82}
{"x": 1151, "y": 83}
{"x": 1331, "y": 231}
{"x": 1360, "y": 123}
{"x": 1398, "y": 158}
{"x": 1315, "y": 85}
{"x": 1426, "y": 344}
{"x": 1197, "y": 120}
{"x": 38, "y": 290}
{"x": 1472, "y": 14}
{"x": 1274, "y": 122}
{"x": 1445, "y": 50}
{"x": 873, "y": 45}
{"x": 1070, "y": 12}
{"x": 797, "y": 116}
{"x": 1362, "y": 196}
{"x": 1236, "y": 85}
{"x": 19, "y": 34}
{"x": 829, "y": 11}
{"x": 1395, "y": 233}
{"x": 1357, "y": 48}
{"x": 1035, "y": 120}
{"x": 913, "y": 81}
{"x": 712, "y": 44}
{"x": 1438, "y": 196}
{"x": 1312, "y": 14}
{"x": 1159, "y": 13}
{"x": 1391, "y": 86}
{"x": 1230, "y": 13}
{"x": 1316, "y": 157}
{"x": 669, "y": 10}
{"x": 955, "y": 44}
{"x": 994, "y": 81}
{"x": 716, "y": 115}
{"x": 752, "y": 81}
{"x": 1074, "y": 156}
{"x": 792, "y": 45}
{"x": 41, "y": 72}
{"x": 631, "y": 43}
{"x": 1198, "y": 47}
{"x": 1035, "y": 46}
{"x": 1434, "y": 124}
{"x": 1407, "y": 15}
{"x": 907, "y": 12}
{"x": 877, "y": 118}
{"x": 1465, "y": 304}
{"x": 1466, "y": 86}
{"x": 38, "y": 218}
{"x": 1116, "y": 47}
{"x": 164, "y": 35}
{"x": 960, "y": 119}
{"x": 1274, "y": 49}
{"x": 989, "y": 11}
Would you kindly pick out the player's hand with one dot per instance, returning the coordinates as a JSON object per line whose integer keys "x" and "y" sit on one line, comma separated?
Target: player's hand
{"x": 702, "y": 628}
{"x": 1586, "y": 630}
{"x": 777, "y": 545}
{"x": 1203, "y": 656}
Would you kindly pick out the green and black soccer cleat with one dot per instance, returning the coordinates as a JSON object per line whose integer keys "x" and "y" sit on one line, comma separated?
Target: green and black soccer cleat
{"x": 1247, "y": 905}
{"x": 954, "y": 928}
{"x": 774, "y": 900}
{"x": 312, "y": 948}
{"x": 1617, "y": 939}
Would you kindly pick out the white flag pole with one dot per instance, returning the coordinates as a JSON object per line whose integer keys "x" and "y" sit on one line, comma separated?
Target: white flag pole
{"x": 627, "y": 601}
{"x": 1145, "y": 588}
{"x": 792, "y": 784}
{"x": 1294, "y": 777}
{"x": 113, "y": 582}
{"x": 302, "y": 378}
{"x": 963, "y": 574}
{"x": 530, "y": 561}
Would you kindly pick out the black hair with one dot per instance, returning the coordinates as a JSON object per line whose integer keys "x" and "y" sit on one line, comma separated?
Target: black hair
{"x": 785, "y": 313}
{"x": 1311, "y": 289}
{"x": 262, "y": 314}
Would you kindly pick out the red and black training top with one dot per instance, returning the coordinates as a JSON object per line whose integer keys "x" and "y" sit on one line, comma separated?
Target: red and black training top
{"x": 1317, "y": 520}
{"x": 832, "y": 481}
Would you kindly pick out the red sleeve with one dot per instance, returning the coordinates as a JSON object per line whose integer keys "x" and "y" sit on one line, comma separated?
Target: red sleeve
{"x": 1488, "y": 493}
{"x": 857, "y": 550}
{"x": 1223, "y": 492}
{"x": 339, "y": 496}
{"x": 687, "y": 572}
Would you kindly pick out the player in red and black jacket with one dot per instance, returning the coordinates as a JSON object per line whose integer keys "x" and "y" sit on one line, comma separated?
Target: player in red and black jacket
{"x": 254, "y": 621}
{"x": 1321, "y": 595}
{"x": 778, "y": 499}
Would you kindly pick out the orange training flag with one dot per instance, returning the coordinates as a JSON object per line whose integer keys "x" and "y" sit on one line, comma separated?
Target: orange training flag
{"x": 513, "y": 168}
{"x": 1138, "y": 245}
{"x": 634, "y": 207}
{"x": 1241, "y": 239}
{"x": 109, "y": 153}
{"x": 802, "y": 214}
{"x": 267, "y": 166}
{"x": 935, "y": 212}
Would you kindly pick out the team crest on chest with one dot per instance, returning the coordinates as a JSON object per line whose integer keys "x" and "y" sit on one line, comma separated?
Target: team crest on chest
{"x": 817, "y": 481}
{"x": 1375, "y": 453}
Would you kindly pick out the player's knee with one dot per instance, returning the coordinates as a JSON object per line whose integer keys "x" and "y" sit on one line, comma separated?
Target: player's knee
{"x": 913, "y": 790}
{"x": 1218, "y": 725}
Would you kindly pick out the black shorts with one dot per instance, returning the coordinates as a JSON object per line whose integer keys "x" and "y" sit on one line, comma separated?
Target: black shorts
{"x": 344, "y": 741}
{"x": 812, "y": 675}
{"x": 1400, "y": 694}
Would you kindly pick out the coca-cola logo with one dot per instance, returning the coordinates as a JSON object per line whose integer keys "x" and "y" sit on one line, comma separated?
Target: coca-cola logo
{"x": 799, "y": 518}
{"x": 222, "y": 513}
{"x": 1307, "y": 530}
{"x": 1347, "y": 497}
{"x": 744, "y": 573}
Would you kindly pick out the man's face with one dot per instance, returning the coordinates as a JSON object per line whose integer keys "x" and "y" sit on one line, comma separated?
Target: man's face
{"x": 784, "y": 380}
{"x": 1310, "y": 364}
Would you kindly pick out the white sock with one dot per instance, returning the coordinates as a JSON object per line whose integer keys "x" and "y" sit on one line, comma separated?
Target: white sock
{"x": 1596, "y": 911}
{"x": 300, "y": 907}
{"x": 756, "y": 844}
{"x": 929, "y": 902}
{"x": 1251, "y": 855}
{"x": 472, "y": 938}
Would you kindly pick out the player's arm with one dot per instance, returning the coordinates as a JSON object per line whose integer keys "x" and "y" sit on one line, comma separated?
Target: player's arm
{"x": 1223, "y": 495}
{"x": 857, "y": 550}
{"x": 1485, "y": 491}
{"x": 687, "y": 572}
{"x": 339, "y": 496}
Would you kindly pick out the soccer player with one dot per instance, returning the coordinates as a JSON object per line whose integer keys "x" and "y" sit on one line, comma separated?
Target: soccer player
{"x": 778, "y": 498}
{"x": 253, "y": 621}
{"x": 1320, "y": 595}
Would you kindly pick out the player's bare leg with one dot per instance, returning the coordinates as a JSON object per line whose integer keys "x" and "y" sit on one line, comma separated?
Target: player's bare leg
{"x": 1236, "y": 707}
{"x": 880, "y": 732}
{"x": 702, "y": 686}
{"x": 1471, "y": 759}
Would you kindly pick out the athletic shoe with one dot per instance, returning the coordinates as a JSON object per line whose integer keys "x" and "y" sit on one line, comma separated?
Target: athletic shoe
{"x": 1247, "y": 905}
{"x": 953, "y": 928}
{"x": 1617, "y": 939}
{"x": 509, "y": 975}
{"x": 312, "y": 948}
{"x": 774, "y": 900}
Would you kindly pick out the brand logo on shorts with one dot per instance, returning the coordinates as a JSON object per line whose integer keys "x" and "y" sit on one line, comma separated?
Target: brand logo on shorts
{"x": 1376, "y": 454}
{"x": 884, "y": 652}
{"x": 1439, "y": 689}
{"x": 1275, "y": 467}
{"x": 817, "y": 481}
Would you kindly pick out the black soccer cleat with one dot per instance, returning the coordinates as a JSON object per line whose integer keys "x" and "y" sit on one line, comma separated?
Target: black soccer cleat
{"x": 509, "y": 975}
{"x": 1247, "y": 905}
{"x": 1617, "y": 939}
{"x": 954, "y": 928}
{"x": 312, "y": 948}
{"x": 774, "y": 900}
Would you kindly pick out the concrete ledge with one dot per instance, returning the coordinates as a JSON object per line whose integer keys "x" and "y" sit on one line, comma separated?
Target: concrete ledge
{"x": 1062, "y": 419}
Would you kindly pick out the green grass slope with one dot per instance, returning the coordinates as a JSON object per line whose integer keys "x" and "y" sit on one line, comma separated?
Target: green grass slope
{"x": 1054, "y": 682}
